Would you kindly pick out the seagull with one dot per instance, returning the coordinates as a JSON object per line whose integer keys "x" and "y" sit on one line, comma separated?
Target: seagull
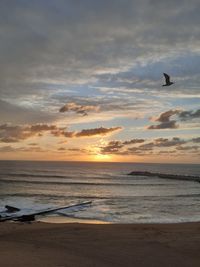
{"x": 167, "y": 80}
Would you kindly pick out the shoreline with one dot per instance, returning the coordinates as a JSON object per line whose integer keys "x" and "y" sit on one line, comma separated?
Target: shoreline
{"x": 76, "y": 244}
{"x": 68, "y": 220}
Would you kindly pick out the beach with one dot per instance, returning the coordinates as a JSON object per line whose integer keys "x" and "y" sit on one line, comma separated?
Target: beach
{"x": 98, "y": 245}
{"x": 133, "y": 220}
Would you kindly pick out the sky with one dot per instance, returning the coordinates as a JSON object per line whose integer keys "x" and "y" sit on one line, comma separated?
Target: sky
{"x": 82, "y": 80}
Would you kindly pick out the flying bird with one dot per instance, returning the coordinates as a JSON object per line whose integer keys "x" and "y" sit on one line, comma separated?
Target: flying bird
{"x": 167, "y": 80}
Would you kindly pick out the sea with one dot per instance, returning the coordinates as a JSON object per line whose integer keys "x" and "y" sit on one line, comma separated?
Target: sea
{"x": 115, "y": 196}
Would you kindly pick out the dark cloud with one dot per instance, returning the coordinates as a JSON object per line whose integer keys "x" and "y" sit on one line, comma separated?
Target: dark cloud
{"x": 196, "y": 140}
{"x": 189, "y": 115}
{"x": 165, "y": 142}
{"x": 10, "y": 133}
{"x": 155, "y": 146}
{"x": 112, "y": 147}
{"x": 16, "y": 133}
{"x": 62, "y": 132}
{"x": 187, "y": 148}
{"x": 165, "y": 117}
{"x": 61, "y": 149}
{"x": 75, "y": 151}
{"x": 79, "y": 109}
{"x": 164, "y": 125}
{"x": 115, "y": 146}
{"x": 97, "y": 131}
{"x": 133, "y": 141}
{"x": 85, "y": 132}
{"x": 40, "y": 128}
{"x": 70, "y": 40}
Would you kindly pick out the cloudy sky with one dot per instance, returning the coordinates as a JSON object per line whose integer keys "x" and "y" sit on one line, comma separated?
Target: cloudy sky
{"x": 82, "y": 80}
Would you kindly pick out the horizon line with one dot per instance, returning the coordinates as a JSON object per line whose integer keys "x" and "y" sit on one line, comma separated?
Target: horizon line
{"x": 107, "y": 162}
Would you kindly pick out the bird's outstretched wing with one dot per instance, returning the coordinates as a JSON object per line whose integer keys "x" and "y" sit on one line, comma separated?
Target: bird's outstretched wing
{"x": 167, "y": 78}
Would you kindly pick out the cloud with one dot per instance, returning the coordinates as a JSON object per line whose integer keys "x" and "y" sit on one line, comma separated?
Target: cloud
{"x": 68, "y": 48}
{"x": 13, "y": 113}
{"x": 85, "y": 132}
{"x": 112, "y": 147}
{"x": 9, "y": 149}
{"x": 115, "y": 146}
{"x": 133, "y": 141}
{"x": 189, "y": 115}
{"x": 196, "y": 140}
{"x": 79, "y": 109}
{"x": 62, "y": 132}
{"x": 61, "y": 149}
{"x": 97, "y": 131}
{"x": 9, "y": 139}
{"x": 147, "y": 73}
{"x": 164, "y": 125}
{"x": 165, "y": 117}
{"x": 188, "y": 148}
{"x": 165, "y": 142}
{"x": 99, "y": 58}
{"x": 40, "y": 128}
{"x": 145, "y": 147}
{"x": 10, "y": 133}
{"x": 102, "y": 103}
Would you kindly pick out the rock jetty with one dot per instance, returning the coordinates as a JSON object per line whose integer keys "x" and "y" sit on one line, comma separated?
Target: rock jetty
{"x": 166, "y": 175}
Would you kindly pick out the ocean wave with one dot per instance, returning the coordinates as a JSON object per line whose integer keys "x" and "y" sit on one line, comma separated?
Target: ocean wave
{"x": 64, "y": 176}
{"x": 32, "y": 175}
{"x": 78, "y": 183}
{"x": 50, "y": 196}
{"x": 95, "y": 197}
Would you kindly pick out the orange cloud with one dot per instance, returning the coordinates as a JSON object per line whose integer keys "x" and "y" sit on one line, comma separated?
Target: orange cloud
{"x": 11, "y": 134}
{"x": 97, "y": 131}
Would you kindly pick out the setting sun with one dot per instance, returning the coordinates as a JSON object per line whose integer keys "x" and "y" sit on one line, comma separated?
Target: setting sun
{"x": 101, "y": 157}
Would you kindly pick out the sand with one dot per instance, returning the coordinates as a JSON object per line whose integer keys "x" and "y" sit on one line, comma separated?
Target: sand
{"x": 59, "y": 245}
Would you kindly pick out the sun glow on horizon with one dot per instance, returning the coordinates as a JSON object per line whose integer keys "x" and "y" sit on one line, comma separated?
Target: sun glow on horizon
{"x": 102, "y": 157}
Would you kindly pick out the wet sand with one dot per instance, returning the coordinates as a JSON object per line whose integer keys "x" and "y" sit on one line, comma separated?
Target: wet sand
{"x": 70, "y": 245}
